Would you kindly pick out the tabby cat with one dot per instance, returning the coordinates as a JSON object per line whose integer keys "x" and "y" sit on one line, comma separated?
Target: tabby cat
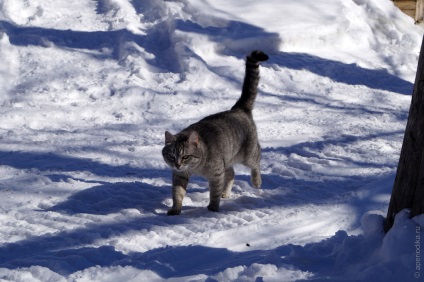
{"x": 212, "y": 146}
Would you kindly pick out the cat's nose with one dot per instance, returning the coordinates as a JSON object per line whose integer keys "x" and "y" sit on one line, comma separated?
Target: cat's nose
{"x": 177, "y": 165}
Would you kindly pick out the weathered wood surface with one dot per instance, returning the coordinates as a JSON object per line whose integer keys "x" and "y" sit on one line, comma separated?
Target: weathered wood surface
{"x": 413, "y": 8}
{"x": 410, "y": 13}
{"x": 419, "y": 12}
{"x": 408, "y": 189}
{"x": 406, "y": 5}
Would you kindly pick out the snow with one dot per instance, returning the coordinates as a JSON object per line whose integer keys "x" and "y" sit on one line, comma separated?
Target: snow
{"x": 88, "y": 88}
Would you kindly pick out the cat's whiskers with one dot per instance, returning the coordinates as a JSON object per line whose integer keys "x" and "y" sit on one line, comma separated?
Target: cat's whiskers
{"x": 188, "y": 172}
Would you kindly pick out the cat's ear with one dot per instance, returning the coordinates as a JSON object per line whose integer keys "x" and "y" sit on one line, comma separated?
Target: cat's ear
{"x": 169, "y": 138}
{"x": 193, "y": 139}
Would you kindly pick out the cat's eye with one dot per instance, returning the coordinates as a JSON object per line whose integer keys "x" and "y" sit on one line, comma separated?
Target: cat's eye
{"x": 186, "y": 157}
{"x": 171, "y": 157}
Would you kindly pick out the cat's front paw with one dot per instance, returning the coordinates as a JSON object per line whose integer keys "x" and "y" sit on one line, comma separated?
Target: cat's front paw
{"x": 174, "y": 212}
{"x": 226, "y": 195}
{"x": 213, "y": 208}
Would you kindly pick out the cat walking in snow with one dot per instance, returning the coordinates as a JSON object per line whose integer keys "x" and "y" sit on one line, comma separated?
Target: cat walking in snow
{"x": 212, "y": 146}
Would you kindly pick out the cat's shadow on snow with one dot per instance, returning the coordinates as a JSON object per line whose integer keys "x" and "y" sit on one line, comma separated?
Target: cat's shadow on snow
{"x": 108, "y": 198}
{"x": 126, "y": 190}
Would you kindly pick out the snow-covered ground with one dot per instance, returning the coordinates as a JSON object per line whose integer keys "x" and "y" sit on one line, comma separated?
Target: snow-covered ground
{"x": 88, "y": 88}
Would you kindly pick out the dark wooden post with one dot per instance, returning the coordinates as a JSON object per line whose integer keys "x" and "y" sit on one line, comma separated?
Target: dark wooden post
{"x": 408, "y": 189}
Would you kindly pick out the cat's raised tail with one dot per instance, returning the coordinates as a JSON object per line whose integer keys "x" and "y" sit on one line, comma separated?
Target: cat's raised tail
{"x": 251, "y": 80}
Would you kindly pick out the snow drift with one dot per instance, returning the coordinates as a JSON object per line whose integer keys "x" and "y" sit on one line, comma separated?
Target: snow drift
{"x": 88, "y": 89}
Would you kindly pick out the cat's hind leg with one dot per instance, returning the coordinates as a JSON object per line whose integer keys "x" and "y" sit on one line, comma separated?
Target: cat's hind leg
{"x": 229, "y": 181}
{"x": 253, "y": 162}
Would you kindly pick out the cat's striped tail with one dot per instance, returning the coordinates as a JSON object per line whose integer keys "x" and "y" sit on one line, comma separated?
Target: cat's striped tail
{"x": 251, "y": 80}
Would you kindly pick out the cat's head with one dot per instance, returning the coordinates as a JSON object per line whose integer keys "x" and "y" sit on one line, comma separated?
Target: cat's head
{"x": 182, "y": 152}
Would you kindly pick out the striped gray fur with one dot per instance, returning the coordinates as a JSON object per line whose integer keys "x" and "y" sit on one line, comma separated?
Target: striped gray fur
{"x": 212, "y": 146}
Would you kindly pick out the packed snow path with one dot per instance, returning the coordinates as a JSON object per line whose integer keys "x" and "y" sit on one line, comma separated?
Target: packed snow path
{"x": 88, "y": 89}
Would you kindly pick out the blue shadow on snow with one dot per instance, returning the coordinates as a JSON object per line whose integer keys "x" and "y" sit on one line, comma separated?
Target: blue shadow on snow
{"x": 104, "y": 197}
{"x": 350, "y": 74}
{"x": 324, "y": 259}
